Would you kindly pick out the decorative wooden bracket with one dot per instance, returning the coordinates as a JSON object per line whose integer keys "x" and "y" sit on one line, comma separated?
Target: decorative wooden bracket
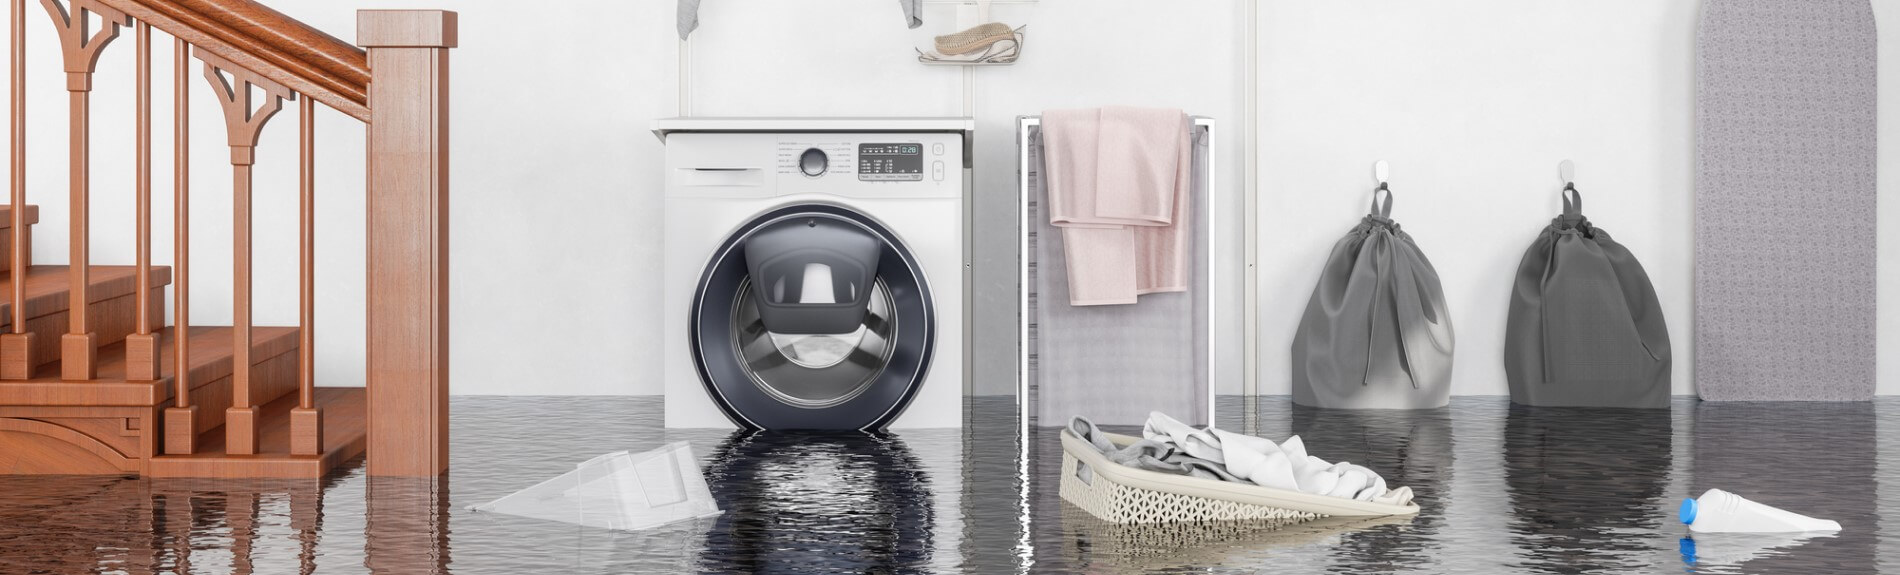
{"x": 243, "y": 118}
{"x": 80, "y": 49}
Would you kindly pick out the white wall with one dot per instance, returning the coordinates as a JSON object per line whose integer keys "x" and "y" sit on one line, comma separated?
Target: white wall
{"x": 854, "y": 58}
{"x": 1887, "y": 330}
{"x": 1474, "y": 103}
{"x": 556, "y": 176}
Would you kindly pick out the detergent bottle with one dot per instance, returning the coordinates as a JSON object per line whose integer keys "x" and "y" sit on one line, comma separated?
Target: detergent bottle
{"x": 1719, "y": 511}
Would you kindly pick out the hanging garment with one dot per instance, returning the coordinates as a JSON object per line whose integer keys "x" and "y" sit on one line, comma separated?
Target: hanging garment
{"x": 1119, "y": 181}
{"x": 686, "y": 15}
{"x": 1585, "y": 327}
{"x": 1104, "y": 360}
{"x": 913, "y": 12}
{"x": 1376, "y": 334}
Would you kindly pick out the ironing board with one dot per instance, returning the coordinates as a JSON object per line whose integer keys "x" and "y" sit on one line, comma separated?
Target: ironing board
{"x": 1785, "y": 200}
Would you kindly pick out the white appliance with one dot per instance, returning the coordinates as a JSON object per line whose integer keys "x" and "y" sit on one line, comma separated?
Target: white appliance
{"x": 816, "y": 272}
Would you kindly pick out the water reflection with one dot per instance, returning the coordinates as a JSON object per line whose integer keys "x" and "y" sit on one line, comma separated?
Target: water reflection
{"x": 1408, "y": 447}
{"x": 62, "y": 524}
{"x": 407, "y": 528}
{"x": 1567, "y": 491}
{"x": 1584, "y": 483}
{"x": 1817, "y": 459}
{"x": 818, "y": 503}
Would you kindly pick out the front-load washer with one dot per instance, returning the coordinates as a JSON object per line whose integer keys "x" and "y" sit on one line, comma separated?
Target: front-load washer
{"x": 815, "y": 272}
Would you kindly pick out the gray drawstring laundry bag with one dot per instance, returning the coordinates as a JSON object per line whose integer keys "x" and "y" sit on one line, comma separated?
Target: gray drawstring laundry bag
{"x": 1376, "y": 334}
{"x": 1585, "y": 327}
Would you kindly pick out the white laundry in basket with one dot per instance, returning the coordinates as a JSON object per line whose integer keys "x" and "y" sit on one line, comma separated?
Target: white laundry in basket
{"x": 618, "y": 490}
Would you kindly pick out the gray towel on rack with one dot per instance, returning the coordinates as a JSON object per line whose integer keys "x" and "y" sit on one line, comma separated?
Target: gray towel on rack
{"x": 687, "y": 17}
{"x": 913, "y": 12}
{"x": 1115, "y": 363}
{"x": 1150, "y": 455}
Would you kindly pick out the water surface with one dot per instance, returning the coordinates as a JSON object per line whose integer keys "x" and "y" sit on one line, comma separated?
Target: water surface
{"x": 1502, "y": 489}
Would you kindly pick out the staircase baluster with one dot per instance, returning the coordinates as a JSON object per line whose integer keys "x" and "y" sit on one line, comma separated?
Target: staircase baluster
{"x": 79, "y": 348}
{"x": 306, "y": 423}
{"x": 181, "y": 432}
{"x": 16, "y": 346}
{"x": 141, "y": 347}
{"x": 243, "y": 121}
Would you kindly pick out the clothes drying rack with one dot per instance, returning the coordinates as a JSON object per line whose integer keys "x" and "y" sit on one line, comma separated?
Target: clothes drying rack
{"x": 1208, "y": 228}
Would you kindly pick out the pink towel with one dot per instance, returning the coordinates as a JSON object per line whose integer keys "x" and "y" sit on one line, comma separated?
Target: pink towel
{"x": 1118, "y": 183}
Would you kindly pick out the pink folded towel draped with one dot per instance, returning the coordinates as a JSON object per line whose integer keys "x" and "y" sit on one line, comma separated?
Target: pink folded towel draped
{"x": 1118, "y": 182}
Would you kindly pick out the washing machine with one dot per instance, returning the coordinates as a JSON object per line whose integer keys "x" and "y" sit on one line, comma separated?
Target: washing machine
{"x": 815, "y": 272}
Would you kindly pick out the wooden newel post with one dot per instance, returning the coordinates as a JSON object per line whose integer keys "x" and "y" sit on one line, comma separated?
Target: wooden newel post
{"x": 408, "y": 276}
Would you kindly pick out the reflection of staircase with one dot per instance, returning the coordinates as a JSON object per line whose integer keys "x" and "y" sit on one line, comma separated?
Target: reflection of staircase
{"x": 98, "y": 388}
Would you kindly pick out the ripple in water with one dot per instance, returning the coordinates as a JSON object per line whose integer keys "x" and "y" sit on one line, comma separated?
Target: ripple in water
{"x": 1502, "y": 489}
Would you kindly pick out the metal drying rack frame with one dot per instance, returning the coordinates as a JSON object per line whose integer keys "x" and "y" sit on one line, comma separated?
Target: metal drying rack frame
{"x": 1023, "y": 197}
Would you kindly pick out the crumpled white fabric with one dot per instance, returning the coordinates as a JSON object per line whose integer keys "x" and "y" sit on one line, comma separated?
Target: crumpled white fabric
{"x": 1283, "y": 465}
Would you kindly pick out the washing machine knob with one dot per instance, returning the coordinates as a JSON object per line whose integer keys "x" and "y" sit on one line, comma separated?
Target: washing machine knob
{"x": 812, "y": 162}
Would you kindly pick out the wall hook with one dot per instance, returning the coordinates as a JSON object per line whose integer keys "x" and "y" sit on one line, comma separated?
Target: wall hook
{"x": 1567, "y": 171}
{"x": 1382, "y": 172}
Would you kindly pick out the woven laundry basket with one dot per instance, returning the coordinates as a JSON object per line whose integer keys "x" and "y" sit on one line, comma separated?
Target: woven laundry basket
{"x": 1120, "y": 494}
{"x": 1171, "y": 547}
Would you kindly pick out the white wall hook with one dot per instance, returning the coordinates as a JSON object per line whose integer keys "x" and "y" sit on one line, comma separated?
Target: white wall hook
{"x": 1381, "y": 171}
{"x": 1567, "y": 171}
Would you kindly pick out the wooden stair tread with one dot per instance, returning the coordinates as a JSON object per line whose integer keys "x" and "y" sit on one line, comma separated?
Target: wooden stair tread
{"x": 345, "y": 435}
{"x": 210, "y": 361}
{"x": 6, "y": 215}
{"x": 48, "y": 287}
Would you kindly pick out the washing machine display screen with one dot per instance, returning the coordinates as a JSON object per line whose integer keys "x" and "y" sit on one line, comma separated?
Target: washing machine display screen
{"x": 893, "y": 162}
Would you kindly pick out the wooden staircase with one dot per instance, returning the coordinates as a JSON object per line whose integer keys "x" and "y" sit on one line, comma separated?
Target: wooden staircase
{"x": 113, "y": 422}
{"x": 92, "y": 381}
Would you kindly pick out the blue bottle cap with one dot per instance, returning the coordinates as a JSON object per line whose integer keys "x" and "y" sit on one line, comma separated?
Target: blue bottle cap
{"x": 1687, "y": 513}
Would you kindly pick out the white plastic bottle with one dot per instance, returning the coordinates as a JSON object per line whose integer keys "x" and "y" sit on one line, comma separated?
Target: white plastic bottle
{"x": 1719, "y": 511}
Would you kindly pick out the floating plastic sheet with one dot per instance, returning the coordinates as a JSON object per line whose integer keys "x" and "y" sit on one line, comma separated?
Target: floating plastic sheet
{"x": 623, "y": 491}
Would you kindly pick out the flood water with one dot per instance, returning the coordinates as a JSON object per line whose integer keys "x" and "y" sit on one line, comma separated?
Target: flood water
{"x": 1502, "y": 489}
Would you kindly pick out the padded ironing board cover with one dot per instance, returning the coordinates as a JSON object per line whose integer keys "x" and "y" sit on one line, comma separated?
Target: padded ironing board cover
{"x": 1376, "y": 334}
{"x": 1785, "y": 204}
{"x": 1115, "y": 363}
{"x": 1585, "y": 326}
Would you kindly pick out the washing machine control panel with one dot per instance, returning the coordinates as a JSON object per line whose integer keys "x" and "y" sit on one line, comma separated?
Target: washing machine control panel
{"x": 919, "y": 165}
{"x": 902, "y": 162}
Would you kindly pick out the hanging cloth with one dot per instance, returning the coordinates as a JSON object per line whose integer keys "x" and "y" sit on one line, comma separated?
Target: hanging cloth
{"x": 1119, "y": 181}
{"x": 1376, "y": 333}
{"x": 1585, "y": 327}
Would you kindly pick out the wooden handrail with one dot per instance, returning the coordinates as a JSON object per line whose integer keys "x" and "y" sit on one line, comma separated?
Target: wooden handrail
{"x": 268, "y": 43}
{"x": 255, "y": 59}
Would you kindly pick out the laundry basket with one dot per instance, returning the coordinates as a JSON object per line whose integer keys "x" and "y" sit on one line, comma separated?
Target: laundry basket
{"x": 1119, "y": 494}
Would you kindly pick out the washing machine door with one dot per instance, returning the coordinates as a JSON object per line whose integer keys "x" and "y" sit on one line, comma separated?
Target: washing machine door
{"x": 812, "y": 316}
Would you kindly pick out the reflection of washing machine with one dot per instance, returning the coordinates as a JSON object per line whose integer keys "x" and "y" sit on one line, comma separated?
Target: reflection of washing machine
{"x": 823, "y": 502}
{"x": 814, "y": 272}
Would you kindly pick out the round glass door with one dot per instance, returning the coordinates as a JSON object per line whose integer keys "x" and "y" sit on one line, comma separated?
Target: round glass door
{"x": 860, "y": 378}
{"x": 814, "y": 370}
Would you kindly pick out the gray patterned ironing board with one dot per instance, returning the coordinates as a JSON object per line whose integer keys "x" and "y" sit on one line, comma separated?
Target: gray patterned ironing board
{"x": 1785, "y": 200}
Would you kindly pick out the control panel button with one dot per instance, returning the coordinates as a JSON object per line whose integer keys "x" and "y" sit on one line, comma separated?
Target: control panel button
{"x": 936, "y": 170}
{"x": 937, "y": 148}
{"x": 813, "y": 162}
